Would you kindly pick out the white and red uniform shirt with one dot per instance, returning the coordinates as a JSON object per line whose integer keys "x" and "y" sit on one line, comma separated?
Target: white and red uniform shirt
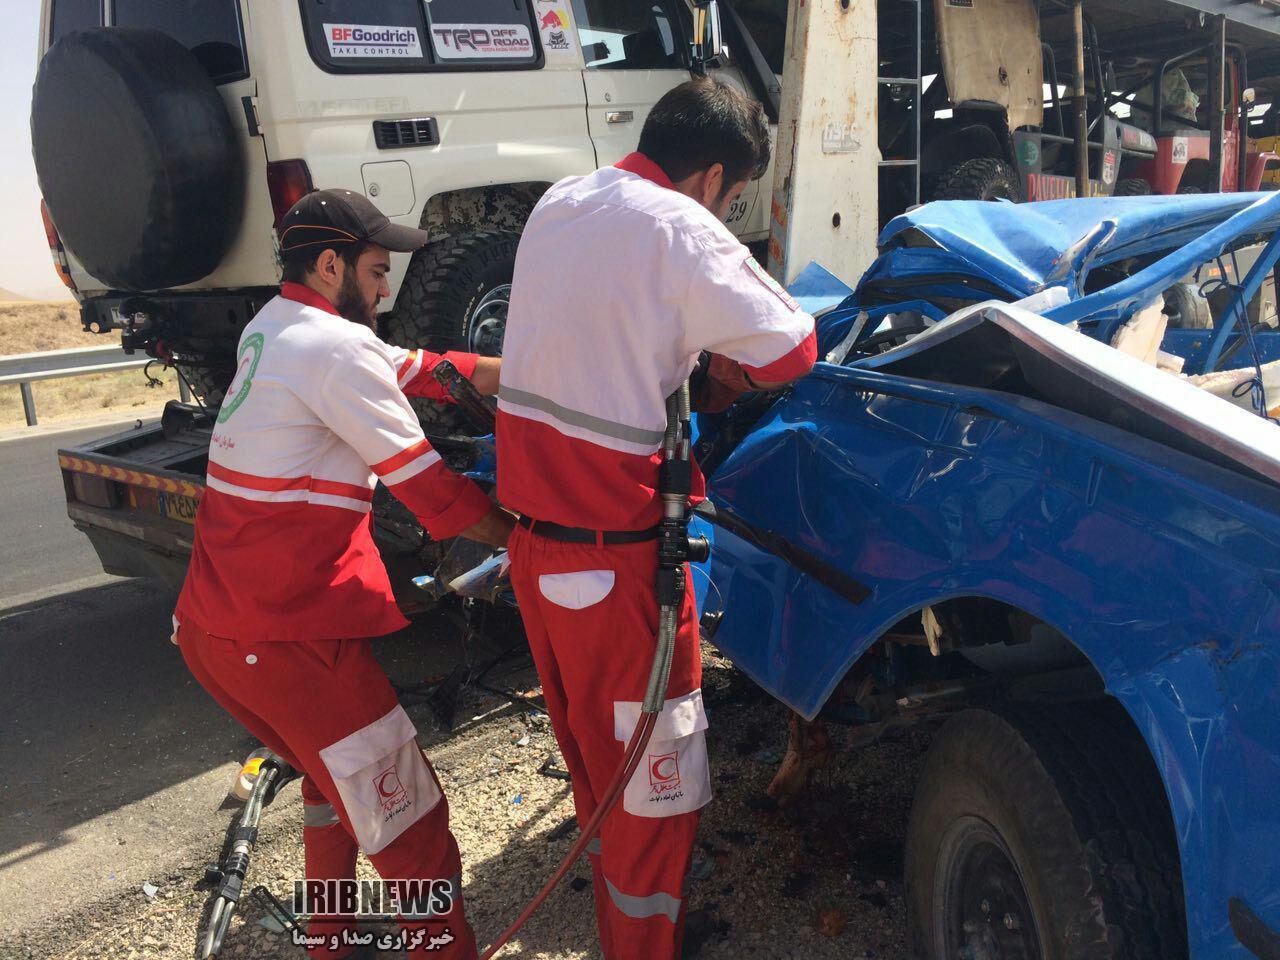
{"x": 315, "y": 416}
{"x": 620, "y": 282}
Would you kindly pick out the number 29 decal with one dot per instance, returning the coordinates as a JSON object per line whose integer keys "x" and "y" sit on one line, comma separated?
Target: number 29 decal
{"x": 738, "y": 210}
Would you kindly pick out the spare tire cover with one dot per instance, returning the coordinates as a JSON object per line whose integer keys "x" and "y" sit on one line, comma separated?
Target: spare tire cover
{"x": 136, "y": 156}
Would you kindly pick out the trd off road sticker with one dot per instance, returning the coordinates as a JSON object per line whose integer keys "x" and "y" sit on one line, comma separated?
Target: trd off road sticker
{"x": 488, "y": 41}
{"x": 366, "y": 40}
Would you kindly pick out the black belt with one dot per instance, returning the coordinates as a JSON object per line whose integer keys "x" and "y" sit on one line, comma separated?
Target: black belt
{"x": 554, "y": 531}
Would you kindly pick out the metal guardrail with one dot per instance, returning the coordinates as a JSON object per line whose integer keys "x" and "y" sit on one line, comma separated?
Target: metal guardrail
{"x": 25, "y": 369}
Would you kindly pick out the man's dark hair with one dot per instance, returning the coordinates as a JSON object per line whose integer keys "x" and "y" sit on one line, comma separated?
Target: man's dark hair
{"x": 706, "y": 121}
{"x": 296, "y": 268}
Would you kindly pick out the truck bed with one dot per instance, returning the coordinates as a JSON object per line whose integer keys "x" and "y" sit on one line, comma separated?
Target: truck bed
{"x": 134, "y": 494}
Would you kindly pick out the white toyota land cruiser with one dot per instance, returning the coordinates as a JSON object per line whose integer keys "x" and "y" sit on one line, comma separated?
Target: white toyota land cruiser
{"x": 171, "y": 135}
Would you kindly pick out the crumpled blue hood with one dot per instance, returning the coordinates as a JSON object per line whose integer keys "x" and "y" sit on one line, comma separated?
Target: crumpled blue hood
{"x": 1018, "y": 249}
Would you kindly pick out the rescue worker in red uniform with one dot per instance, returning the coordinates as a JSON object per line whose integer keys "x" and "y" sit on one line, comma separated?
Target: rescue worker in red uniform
{"x": 622, "y": 279}
{"x": 286, "y": 585}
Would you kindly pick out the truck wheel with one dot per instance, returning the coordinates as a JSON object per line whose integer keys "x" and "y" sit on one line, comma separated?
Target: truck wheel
{"x": 206, "y": 383}
{"x": 455, "y": 295}
{"x": 1186, "y": 309}
{"x": 985, "y": 178}
{"x": 1043, "y": 834}
{"x": 1133, "y": 187}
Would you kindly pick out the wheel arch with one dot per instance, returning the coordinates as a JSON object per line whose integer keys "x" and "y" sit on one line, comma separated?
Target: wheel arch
{"x": 1155, "y": 702}
{"x": 503, "y": 206}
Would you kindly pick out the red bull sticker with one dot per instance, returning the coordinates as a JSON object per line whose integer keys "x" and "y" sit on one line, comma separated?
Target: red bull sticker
{"x": 553, "y": 24}
{"x": 372, "y": 40}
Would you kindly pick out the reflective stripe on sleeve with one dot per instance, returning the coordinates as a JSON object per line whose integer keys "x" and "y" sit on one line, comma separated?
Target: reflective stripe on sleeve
{"x": 407, "y": 463}
{"x": 409, "y": 369}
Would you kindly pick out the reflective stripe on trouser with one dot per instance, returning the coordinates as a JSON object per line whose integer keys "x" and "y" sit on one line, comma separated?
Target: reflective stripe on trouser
{"x": 330, "y": 855}
{"x": 301, "y": 698}
{"x": 592, "y": 638}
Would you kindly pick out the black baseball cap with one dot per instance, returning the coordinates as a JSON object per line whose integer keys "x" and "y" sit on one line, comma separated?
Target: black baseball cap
{"x": 339, "y": 218}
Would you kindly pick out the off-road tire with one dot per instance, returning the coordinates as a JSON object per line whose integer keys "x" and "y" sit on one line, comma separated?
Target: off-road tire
{"x": 1133, "y": 187}
{"x": 207, "y": 385}
{"x": 1187, "y": 310}
{"x": 984, "y": 178}
{"x": 1074, "y": 798}
{"x": 443, "y": 285}
{"x": 441, "y": 289}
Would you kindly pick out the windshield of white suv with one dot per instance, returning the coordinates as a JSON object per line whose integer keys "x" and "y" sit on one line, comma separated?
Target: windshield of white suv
{"x": 71, "y": 15}
{"x": 210, "y": 29}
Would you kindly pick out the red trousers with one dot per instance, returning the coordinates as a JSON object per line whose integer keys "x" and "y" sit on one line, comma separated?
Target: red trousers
{"x": 592, "y": 618}
{"x": 327, "y": 708}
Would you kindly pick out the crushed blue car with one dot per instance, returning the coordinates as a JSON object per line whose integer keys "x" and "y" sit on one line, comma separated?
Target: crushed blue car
{"x": 1033, "y": 496}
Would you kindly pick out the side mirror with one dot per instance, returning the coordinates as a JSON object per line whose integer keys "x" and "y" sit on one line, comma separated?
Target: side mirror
{"x": 708, "y": 41}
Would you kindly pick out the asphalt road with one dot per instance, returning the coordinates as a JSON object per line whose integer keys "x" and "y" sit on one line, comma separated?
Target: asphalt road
{"x": 111, "y": 757}
{"x": 39, "y": 548}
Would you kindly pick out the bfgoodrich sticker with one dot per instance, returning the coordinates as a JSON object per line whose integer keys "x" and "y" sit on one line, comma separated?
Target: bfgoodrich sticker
{"x": 471, "y": 41}
{"x": 364, "y": 40}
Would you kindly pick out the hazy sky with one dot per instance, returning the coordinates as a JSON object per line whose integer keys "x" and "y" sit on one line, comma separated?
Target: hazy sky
{"x": 25, "y": 266}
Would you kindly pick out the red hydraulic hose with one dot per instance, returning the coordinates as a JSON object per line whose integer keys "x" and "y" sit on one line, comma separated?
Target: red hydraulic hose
{"x": 630, "y": 760}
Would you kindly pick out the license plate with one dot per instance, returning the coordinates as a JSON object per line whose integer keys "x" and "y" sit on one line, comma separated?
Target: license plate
{"x": 177, "y": 507}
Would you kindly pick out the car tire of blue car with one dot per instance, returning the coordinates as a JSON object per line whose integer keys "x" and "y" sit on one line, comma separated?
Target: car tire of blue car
{"x": 1043, "y": 833}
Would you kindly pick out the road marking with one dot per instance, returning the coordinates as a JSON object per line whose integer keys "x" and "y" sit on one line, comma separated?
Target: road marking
{"x": 8, "y": 605}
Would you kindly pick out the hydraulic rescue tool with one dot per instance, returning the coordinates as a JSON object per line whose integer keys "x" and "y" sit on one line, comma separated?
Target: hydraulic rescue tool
{"x": 479, "y": 408}
{"x": 273, "y": 774}
{"x": 675, "y": 549}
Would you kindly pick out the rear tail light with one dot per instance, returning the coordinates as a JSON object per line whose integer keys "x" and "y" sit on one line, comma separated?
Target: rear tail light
{"x": 288, "y": 181}
{"x": 60, "y": 262}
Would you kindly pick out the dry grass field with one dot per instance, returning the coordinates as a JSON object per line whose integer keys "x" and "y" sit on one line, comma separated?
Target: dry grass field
{"x": 31, "y": 326}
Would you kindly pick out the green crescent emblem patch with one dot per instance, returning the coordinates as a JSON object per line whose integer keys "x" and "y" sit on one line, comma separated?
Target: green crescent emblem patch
{"x": 247, "y": 364}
